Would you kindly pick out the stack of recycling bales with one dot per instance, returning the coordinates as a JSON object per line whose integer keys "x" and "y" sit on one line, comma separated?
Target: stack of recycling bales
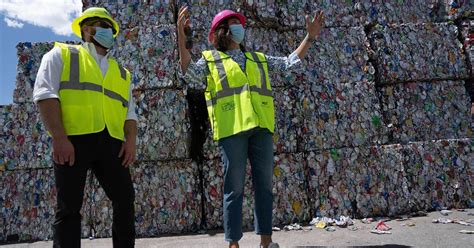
{"x": 27, "y": 192}
{"x": 166, "y": 180}
{"x": 426, "y": 106}
{"x": 377, "y": 122}
{"x": 467, "y": 34}
{"x": 349, "y": 120}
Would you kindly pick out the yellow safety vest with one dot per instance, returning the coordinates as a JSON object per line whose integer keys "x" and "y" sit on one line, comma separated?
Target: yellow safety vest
{"x": 89, "y": 101}
{"x": 238, "y": 101}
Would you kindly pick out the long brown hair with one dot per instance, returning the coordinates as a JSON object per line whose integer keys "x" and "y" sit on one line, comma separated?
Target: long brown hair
{"x": 223, "y": 38}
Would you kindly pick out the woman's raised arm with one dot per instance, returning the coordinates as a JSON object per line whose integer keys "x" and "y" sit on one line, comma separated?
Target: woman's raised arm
{"x": 313, "y": 27}
{"x": 184, "y": 55}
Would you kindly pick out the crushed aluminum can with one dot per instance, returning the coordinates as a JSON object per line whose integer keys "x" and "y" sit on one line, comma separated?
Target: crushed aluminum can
{"x": 293, "y": 227}
{"x": 445, "y": 212}
{"x": 380, "y": 231}
{"x": 442, "y": 221}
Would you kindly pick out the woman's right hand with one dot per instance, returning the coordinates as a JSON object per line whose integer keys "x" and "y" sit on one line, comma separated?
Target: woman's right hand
{"x": 183, "y": 22}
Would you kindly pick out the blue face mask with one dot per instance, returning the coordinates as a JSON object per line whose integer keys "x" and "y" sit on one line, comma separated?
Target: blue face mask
{"x": 238, "y": 33}
{"x": 104, "y": 36}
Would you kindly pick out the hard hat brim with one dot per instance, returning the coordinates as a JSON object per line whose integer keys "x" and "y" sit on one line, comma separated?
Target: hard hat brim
{"x": 76, "y": 27}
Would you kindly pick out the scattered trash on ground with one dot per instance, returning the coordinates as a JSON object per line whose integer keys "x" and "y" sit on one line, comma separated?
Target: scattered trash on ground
{"x": 367, "y": 220}
{"x": 293, "y": 227}
{"x": 442, "y": 221}
{"x": 382, "y": 226}
{"x": 380, "y": 232}
{"x": 445, "y": 212}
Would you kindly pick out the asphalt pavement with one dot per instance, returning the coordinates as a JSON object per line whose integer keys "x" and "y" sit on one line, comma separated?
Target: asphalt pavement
{"x": 414, "y": 232}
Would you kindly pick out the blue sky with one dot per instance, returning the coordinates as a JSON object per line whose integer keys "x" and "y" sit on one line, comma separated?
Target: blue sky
{"x": 21, "y": 22}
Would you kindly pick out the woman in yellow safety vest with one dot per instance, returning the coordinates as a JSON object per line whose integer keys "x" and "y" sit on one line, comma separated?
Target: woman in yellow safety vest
{"x": 241, "y": 112}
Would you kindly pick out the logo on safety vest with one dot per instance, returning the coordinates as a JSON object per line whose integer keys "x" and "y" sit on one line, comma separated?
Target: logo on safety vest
{"x": 228, "y": 106}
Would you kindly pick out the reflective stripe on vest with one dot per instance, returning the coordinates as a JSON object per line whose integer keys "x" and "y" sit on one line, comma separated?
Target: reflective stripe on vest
{"x": 227, "y": 91}
{"x": 239, "y": 103}
{"x": 91, "y": 101}
{"x": 74, "y": 84}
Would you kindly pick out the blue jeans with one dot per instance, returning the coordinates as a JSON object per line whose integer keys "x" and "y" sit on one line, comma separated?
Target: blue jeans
{"x": 257, "y": 145}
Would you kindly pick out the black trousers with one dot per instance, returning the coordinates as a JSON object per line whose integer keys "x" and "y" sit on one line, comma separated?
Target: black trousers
{"x": 98, "y": 152}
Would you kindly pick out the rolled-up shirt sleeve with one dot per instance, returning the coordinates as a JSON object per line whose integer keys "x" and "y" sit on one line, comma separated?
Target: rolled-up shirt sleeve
{"x": 131, "y": 114}
{"x": 49, "y": 76}
{"x": 195, "y": 76}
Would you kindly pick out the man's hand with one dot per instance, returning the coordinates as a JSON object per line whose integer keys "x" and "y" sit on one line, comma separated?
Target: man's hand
{"x": 63, "y": 151}
{"x": 128, "y": 152}
{"x": 314, "y": 26}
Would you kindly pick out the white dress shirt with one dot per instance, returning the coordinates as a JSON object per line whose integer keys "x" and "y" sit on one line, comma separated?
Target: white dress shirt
{"x": 49, "y": 76}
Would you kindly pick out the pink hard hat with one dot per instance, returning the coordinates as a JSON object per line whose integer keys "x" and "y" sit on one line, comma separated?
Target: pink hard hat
{"x": 221, "y": 16}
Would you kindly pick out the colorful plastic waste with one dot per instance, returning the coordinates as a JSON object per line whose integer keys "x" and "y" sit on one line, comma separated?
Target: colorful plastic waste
{"x": 25, "y": 144}
{"x": 440, "y": 174}
{"x": 339, "y": 115}
{"x": 467, "y": 34}
{"x": 438, "y": 110}
{"x": 132, "y": 13}
{"x": 163, "y": 125}
{"x": 457, "y": 9}
{"x": 28, "y": 200}
{"x": 286, "y": 14}
{"x": 290, "y": 198}
{"x": 158, "y": 55}
{"x": 202, "y": 11}
{"x": 392, "y": 179}
{"x": 376, "y": 124}
{"x": 29, "y": 60}
{"x": 401, "y": 57}
{"x": 167, "y": 200}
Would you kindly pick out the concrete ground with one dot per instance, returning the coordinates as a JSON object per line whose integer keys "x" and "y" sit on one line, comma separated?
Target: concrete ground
{"x": 423, "y": 234}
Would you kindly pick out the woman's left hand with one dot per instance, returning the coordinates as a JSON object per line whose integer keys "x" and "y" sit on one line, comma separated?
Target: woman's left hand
{"x": 314, "y": 26}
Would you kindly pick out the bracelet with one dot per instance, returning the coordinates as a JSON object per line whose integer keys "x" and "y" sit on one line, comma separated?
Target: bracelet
{"x": 309, "y": 39}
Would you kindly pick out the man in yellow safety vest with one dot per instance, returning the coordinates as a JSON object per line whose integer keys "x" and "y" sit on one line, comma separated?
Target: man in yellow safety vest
{"x": 85, "y": 101}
